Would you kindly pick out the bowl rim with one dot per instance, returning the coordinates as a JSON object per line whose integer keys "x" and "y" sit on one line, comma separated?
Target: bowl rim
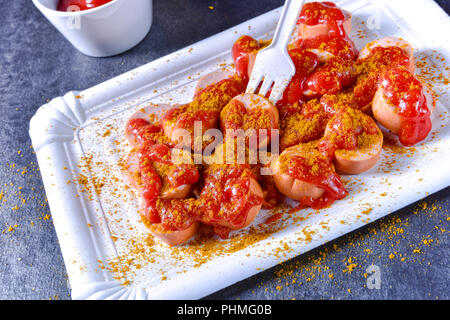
{"x": 44, "y": 8}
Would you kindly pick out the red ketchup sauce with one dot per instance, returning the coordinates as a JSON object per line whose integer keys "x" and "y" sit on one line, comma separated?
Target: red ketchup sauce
{"x": 318, "y": 171}
{"x": 177, "y": 175}
{"x": 224, "y": 202}
{"x": 141, "y": 130}
{"x": 240, "y": 51}
{"x": 151, "y": 181}
{"x": 372, "y": 67}
{"x": 406, "y": 93}
{"x": 325, "y": 13}
{"x": 339, "y": 70}
{"x": 226, "y": 197}
{"x": 338, "y": 46}
{"x": 305, "y": 62}
{"x": 64, "y": 5}
{"x": 344, "y": 129}
{"x": 332, "y": 77}
{"x": 153, "y": 148}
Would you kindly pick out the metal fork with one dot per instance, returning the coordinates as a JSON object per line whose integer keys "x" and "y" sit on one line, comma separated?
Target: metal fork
{"x": 273, "y": 63}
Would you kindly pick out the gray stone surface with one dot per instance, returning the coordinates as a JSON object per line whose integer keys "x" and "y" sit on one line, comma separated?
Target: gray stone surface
{"x": 411, "y": 247}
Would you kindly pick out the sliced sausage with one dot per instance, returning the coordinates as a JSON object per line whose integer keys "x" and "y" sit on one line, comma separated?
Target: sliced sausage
{"x": 182, "y": 135}
{"x": 171, "y": 238}
{"x": 131, "y": 170}
{"x": 359, "y": 160}
{"x": 390, "y": 42}
{"x": 386, "y": 113}
{"x": 204, "y": 110}
{"x": 327, "y": 47}
{"x": 251, "y": 62}
{"x": 230, "y": 198}
{"x": 331, "y": 77}
{"x": 147, "y": 114}
{"x": 255, "y": 189}
{"x": 294, "y": 188}
{"x": 210, "y": 79}
{"x": 174, "y": 238}
{"x": 243, "y": 53}
{"x": 307, "y": 32}
{"x": 353, "y": 140}
{"x": 250, "y": 111}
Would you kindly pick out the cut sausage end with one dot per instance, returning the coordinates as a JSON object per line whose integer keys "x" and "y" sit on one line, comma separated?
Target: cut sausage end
{"x": 308, "y": 32}
{"x": 174, "y": 238}
{"x": 359, "y": 160}
{"x": 211, "y": 78}
{"x": 294, "y": 188}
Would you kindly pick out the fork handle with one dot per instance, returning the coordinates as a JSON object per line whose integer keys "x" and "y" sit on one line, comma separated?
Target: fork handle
{"x": 288, "y": 19}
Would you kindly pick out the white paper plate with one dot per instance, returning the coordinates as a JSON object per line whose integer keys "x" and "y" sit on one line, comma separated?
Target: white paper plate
{"x": 108, "y": 253}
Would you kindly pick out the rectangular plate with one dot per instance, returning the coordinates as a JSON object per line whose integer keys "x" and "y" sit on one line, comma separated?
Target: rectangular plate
{"x": 108, "y": 253}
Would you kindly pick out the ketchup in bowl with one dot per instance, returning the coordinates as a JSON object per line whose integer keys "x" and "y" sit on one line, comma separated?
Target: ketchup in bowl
{"x": 64, "y": 5}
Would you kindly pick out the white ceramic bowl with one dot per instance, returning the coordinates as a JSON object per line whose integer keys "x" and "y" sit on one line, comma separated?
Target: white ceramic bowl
{"x": 104, "y": 31}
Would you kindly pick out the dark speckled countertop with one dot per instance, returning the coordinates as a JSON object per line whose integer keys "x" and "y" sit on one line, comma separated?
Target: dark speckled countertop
{"x": 411, "y": 246}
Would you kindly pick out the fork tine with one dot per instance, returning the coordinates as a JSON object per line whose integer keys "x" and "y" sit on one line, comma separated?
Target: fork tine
{"x": 278, "y": 90}
{"x": 253, "y": 83}
{"x": 265, "y": 86}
